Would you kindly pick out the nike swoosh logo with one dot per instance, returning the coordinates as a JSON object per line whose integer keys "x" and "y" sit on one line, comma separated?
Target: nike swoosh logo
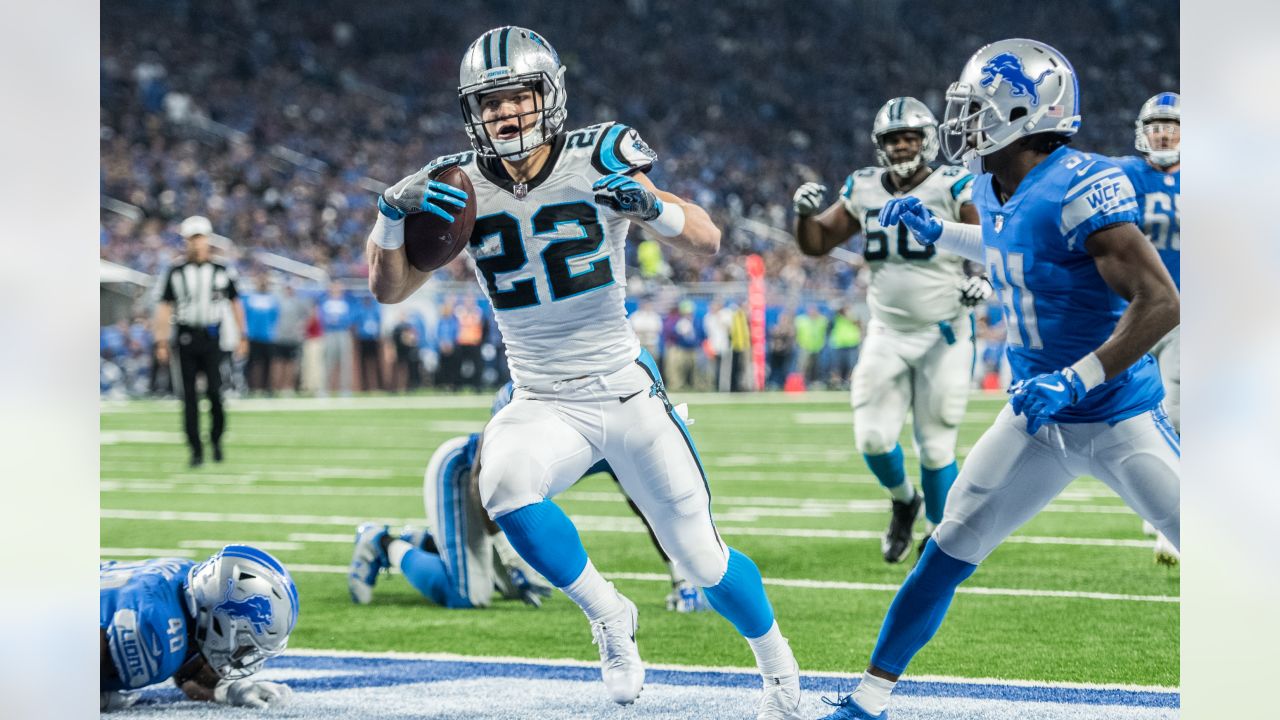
{"x": 1085, "y": 169}
{"x": 396, "y": 195}
{"x": 624, "y": 399}
{"x": 1056, "y": 387}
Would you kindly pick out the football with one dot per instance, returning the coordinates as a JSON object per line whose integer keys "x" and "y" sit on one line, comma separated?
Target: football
{"x": 429, "y": 241}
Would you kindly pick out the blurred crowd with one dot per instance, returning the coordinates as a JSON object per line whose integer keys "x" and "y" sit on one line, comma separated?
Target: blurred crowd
{"x": 281, "y": 120}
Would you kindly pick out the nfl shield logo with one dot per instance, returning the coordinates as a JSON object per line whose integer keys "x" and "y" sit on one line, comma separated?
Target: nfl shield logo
{"x": 999, "y": 223}
{"x": 520, "y": 190}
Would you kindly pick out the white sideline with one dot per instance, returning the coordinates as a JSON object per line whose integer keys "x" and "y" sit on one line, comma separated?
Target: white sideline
{"x": 589, "y": 523}
{"x": 780, "y": 582}
{"x": 567, "y": 662}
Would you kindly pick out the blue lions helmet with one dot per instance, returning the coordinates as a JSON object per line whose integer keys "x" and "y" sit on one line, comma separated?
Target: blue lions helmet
{"x": 1008, "y": 90}
{"x": 245, "y": 605}
{"x": 1157, "y": 133}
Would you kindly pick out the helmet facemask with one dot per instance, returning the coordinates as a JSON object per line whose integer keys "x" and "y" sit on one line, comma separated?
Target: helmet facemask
{"x": 968, "y": 122}
{"x": 1162, "y": 133}
{"x": 906, "y": 168}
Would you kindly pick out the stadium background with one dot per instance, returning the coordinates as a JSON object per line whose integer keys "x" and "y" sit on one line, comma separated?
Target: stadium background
{"x": 280, "y": 120}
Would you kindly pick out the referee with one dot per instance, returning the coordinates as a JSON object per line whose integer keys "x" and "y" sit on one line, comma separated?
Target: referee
{"x": 190, "y": 311}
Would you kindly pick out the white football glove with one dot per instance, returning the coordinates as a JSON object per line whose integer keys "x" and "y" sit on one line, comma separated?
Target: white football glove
{"x": 808, "y": 198}
{"x": 252, "y": 693}
{"x": 974, "y": 290}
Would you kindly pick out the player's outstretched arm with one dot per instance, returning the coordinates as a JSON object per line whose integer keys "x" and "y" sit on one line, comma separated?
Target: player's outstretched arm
{"x": 678, "y": 223}
{"x": 1129, "y": 264}
{"x": 818, "y": 233}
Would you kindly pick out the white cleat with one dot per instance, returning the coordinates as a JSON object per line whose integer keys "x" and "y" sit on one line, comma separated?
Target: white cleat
{"x": 781, "y": 698}
{"x": 1148, "y": 529}
{"x": 620, "y": 664}
{"x": 1166, "y": 553}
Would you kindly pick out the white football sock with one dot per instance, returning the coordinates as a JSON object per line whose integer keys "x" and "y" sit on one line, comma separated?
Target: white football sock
{"x": 396, "y": 551}
{"x": 773, "y": 653}
{"x": 595, "y": 595}
{"x": 902, "y": 492}
{"x": 872, "y": 694}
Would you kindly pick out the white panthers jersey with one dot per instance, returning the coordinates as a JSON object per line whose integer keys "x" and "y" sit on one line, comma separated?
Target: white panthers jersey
{"x": 551, "y": 261}
{"x": 912, "y": 285}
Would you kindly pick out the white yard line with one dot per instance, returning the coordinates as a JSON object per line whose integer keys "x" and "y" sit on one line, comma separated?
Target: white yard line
{"x": 588, "y": 523}
{"x": 779, "y": 582}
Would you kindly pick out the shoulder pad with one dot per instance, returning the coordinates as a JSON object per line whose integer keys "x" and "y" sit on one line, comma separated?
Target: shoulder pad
{"x": 620, "y": 149}
{"x": 846, "y": 191}
{"x": 867, "y": 172}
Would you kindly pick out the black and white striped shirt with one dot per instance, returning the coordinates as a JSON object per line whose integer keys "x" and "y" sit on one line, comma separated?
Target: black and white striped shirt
{"x": 199, "y": 292}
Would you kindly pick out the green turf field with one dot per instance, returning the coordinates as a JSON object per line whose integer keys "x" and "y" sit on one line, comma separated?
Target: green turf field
{"x": 1075, "y": 596}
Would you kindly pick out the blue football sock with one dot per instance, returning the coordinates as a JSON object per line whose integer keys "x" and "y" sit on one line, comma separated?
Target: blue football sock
{"x": 918, "y": 608}
{"x": 426, "y": 573}
{"x": 740, "y": 598}
{"x": 936, "y": 484}
{"x": 546, "y": 538}
{"x": 888, "y": 467}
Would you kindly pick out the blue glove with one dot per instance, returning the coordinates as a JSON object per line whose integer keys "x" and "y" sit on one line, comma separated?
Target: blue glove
{"x": 1040, "y": 397}
{"x": 912, "y": 213}
{"x": 627, "y": 196}
{"x": 420, "y": 192}
{"x": 532, "y": 593}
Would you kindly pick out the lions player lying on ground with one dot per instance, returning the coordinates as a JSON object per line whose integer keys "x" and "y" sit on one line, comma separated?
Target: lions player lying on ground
{"x": 553, "y": 211}
{"x": 468, "y": 557}
{"x": 208, "y": 626}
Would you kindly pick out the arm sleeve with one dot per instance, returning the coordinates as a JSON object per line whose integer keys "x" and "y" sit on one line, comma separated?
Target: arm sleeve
{"x": 962, "y": 239}
{"x": 1105, "y": 197}
{"x": 167, "y": 295}
{"x": 622, "y": 150}
{"x": 961, "y": 192}
{"x": 846, "y": 199}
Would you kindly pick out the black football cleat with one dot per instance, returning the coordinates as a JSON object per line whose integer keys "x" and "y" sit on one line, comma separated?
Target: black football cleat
{"x": 896, "y": 543}
{"x": 217, "y": 452}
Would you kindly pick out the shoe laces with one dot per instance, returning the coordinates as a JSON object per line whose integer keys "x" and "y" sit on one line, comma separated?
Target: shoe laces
{"x": 613, "y": 636}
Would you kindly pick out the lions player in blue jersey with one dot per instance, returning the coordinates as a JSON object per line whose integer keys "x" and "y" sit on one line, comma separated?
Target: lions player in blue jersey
{"x": 1157, "y": 179}
{"x": 208, "y": 626}
{"x": 1086, "y": 299}
{"x": 464, "y": 557}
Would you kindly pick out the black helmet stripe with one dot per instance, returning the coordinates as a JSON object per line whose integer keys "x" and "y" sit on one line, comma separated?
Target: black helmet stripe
{"x": 502, "y": 45}
{"x": 488, "y": 58}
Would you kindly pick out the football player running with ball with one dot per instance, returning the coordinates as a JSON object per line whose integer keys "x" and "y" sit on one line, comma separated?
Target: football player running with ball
{"x": 919, "y": 349}
{"x": 1086, "y": 298}
{"x": 553, "y": 209}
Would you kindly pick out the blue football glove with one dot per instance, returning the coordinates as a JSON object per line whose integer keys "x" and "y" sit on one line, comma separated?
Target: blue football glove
{"x": 912, "y": 213}
{"x": 532, "y": 593}
{"x": 421, "y": 192}
{"x": 627, "y": 196}
{"x": 1040, "y": 397}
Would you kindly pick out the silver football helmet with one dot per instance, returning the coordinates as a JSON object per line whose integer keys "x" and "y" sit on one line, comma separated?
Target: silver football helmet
{"x": 905, "y": 113}
{"x": 245, "y": 605}
{"x": 1008, "y": 90}
{"x": 502, "y": 59}
{"x": 1166, "y": 107}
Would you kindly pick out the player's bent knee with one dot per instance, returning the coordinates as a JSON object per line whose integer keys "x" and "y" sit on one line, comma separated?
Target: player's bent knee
{"x": 872, "y": 441}
{"x": 962, "y": 542}
{"x": 503, "y": 489}
{"x": 704, "y": 567}
{"x": 937, "y": 455}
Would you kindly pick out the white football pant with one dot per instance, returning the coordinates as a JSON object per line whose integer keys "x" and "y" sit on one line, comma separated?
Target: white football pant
{"x": 1010, "y": 476}
{"x": 458, "y": 524}
{"x": 1166, "y": 352}
{"x": 920, "y": 370}
{"x": 545, "y": 440}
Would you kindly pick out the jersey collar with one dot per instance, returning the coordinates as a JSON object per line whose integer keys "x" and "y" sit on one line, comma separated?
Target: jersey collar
{"x": 495, "y": 172}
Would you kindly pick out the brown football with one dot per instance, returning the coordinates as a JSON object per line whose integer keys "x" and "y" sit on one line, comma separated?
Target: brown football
{"x": 429, "y": 241}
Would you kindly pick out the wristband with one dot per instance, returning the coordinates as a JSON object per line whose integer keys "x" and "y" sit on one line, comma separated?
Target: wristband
{"x": 1089, "y": 370}
{"x": 388, "y": 234}
{"x": 670, "y": 220}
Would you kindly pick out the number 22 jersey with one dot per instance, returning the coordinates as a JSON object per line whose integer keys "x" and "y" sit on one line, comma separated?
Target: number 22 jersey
{"x": 1057, "y": 306}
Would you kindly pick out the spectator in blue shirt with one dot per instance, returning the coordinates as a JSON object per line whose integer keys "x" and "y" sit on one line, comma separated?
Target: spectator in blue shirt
{"x": 368, "y": 322}
{"x": 337, "y": 319}
{"x": 261, "y": 313}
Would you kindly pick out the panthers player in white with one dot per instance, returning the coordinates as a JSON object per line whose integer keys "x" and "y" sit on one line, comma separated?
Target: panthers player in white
{"x": 919, "y": 349}
{"x": 553, "y": 211}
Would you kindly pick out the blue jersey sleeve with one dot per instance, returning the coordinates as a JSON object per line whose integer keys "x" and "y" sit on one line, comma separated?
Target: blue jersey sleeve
{"x": 1100, "y": 195}
{"x": 144, "y": 620}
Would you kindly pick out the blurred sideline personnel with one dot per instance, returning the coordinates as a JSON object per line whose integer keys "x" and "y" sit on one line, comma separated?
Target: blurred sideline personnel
{"x": 1086, "y": 298}
{"x": 208, "y": 626}
{"x": 919, "y": 349}
{"x": 1157, "y": 180}
{"x": 462, "y": 556}
{"x": 189, "y": 316}
{"x": 553, "y": 211}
